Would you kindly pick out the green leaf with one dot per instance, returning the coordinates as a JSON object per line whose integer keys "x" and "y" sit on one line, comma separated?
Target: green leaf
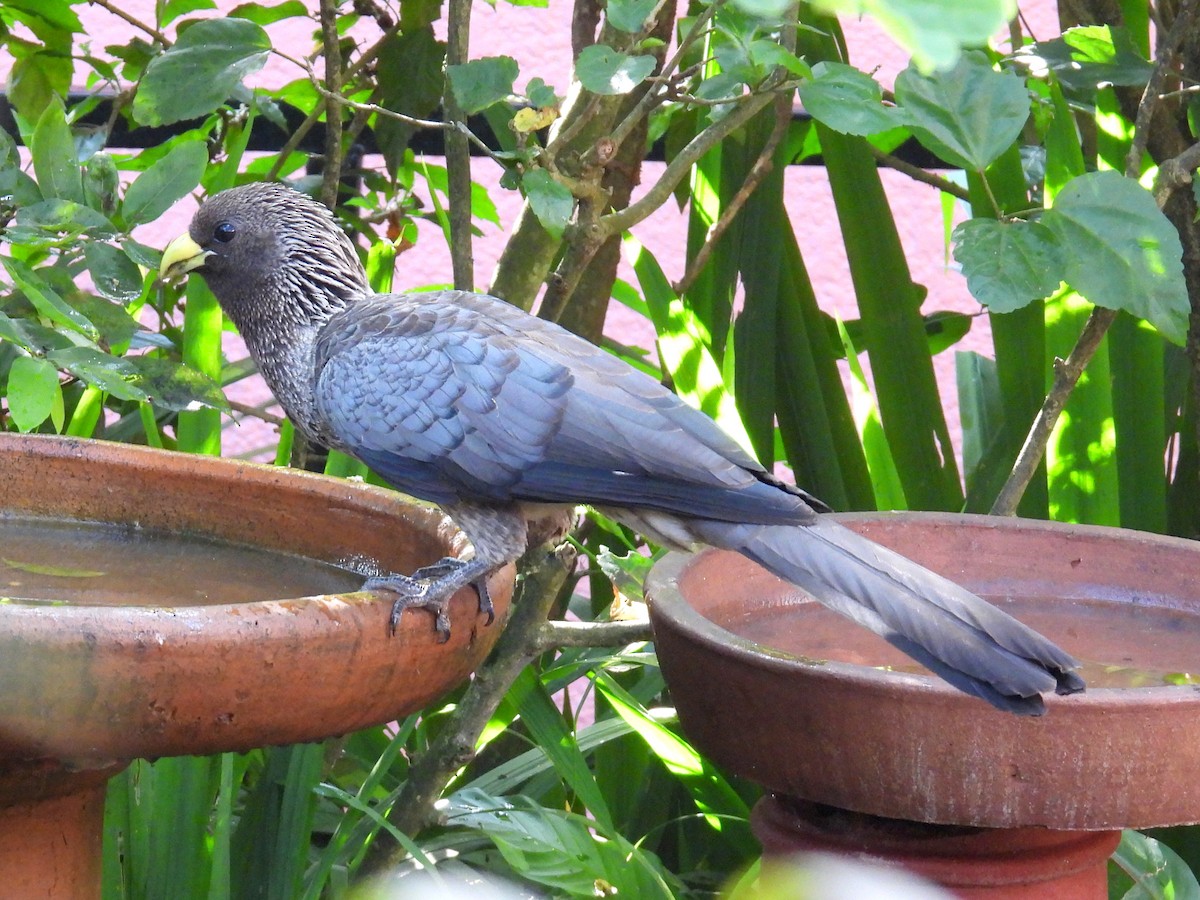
{"x": 481, "y": 82}
{"x": 158, "y": 188}
{"x": 263, "y": 14}
{"x": 1156, "y": 871}
{"x": 1008, "y": 265}
{"x": 113, "y": 374}
{"x": 933, "y": 31}
{"x": 101, "y": 182}
{"x": 629, "y": 15}
{"x": 114, "y": 275}
{"x": 172, "y": 385}
{"x": 847, "y": 100}
{"x": 549, "y": 199}
{"x": 37, "y": 80}
{"x": 559, "y": 849}
{"x": 46, "y": 300}
{"x": 173, "y": 9}
{"x": 1125, "y": 254}
{"x": 603, "y": 70}
{"x": 198, "y": 73}
{"x": 968, "y": 115}
{"x": 1089, "y": 56}
{"x": 54, "y": 159}
{"x": 55, "y": 13}
{"x": 48, "y": 221}
{"x": 34, "y": 393}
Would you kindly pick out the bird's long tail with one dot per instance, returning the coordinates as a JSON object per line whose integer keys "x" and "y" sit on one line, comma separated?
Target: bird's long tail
{"x": 955, "y": 634}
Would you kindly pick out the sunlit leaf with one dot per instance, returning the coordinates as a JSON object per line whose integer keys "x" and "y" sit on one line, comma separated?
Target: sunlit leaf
{"x": 200, "y": 71}
{"x": 45, "y": 299}
{"x": 1155, "y": 870}
{"x": 113, "y": 374}
{"x": 1124, "y": 253}
{"x": 603, "y": 70}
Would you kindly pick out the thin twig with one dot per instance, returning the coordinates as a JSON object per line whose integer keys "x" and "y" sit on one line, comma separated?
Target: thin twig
{"x": 1167, "y": 50}
{"x": 132, "y": 20}
{"x": 1066, "y": 376}
{"x": 681, "y": 165}
{"x": 555, "y": 635}
{"x": 352, "y": 72}
{"x": 916, "y": 173}
{"x": 254, "y": 412}
{"x": 762, "y": 166}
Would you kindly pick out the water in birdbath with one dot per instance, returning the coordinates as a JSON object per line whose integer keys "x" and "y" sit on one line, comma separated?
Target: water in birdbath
{"x": 97, "y": 564}
{"x": 1120, "y": 645}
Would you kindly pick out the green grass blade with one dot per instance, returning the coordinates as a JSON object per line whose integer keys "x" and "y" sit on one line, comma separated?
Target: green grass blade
{"x": 889, "y": 492}
{"x": 199, "y": 430}
{"x": 889, "y": 302}
{"x": 1137, "y": 366}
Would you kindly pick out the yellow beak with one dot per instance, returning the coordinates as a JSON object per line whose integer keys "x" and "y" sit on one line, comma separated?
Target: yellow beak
{"x": 181, "y": 256}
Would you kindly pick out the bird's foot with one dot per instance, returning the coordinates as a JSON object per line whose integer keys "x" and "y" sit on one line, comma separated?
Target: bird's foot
{"x": 431, "y": 587}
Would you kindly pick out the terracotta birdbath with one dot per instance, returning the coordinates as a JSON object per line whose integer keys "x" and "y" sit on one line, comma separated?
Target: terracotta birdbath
{"x": 862, "y": 753}
{"x": 170, "y": 662}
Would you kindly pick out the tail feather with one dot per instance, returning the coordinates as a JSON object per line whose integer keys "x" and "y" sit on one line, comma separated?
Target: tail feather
{"x": 958, "y": 636}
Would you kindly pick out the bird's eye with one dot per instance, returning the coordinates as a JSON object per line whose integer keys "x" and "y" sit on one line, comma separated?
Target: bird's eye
{"x": 224, "y": 233}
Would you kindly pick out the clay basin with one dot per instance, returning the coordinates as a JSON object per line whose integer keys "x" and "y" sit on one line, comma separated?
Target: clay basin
{"x": 215, "y": 661}
{"x": 815, "y": 708}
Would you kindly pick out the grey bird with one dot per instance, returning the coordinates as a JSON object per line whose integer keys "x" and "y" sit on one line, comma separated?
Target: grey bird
{"x": 499, "y": 417}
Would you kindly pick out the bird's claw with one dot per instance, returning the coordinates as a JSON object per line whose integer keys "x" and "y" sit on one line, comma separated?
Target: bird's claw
{"x": 431, "y": 587}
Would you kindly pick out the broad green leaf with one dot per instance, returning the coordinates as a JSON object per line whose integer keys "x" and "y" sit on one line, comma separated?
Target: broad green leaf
{"x": 847, "y": 100}
{"x": 158, "y": 188}
{"x": 411, "y": 82}
{"x": 933, "y": 31}
{"x": 37, "y": 80}
{"x": 113, "y": 374}
{"x": 967, "y": 115}
{"x": 54, "y": 158}
{"x": 1154, "y": 869}
{"x": 266, "y": 14}
{"x": 1088, "y": 56}
{"x": 173, "y": 9}
{"x": 114, "y": 275}
{"x": 540, "y": 94}
{"x": 603, "y": 70}
{"x": 49, "y": 221}
{"x": 198, "y": 73}
{"x": 46, "y": 300}
{"x": 550, "y": 200}
{"x": 34, "y": 394}
{"x": 1124, "y": 253}
{"x": 629, "y": 15}
{"x": 481, "y": 82}
{"x": 1008, "y": 265}
{"x": 55, "y": 13}
{"x": 172, "y": 385}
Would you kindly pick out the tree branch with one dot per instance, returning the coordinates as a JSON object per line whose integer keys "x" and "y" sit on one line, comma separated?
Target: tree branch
{"x": 458, "y": 151}
{"x": 331, "y": 173}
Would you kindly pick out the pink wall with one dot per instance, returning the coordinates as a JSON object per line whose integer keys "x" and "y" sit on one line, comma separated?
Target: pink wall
{"x": 539, "y": 39}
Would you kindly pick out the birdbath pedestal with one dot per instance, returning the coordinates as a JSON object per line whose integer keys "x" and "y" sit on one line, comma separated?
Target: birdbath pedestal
{"x": 863, "y": 754}
{"x": 89, "y": 686}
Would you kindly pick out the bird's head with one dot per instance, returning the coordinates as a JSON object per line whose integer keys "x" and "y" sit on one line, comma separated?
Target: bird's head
{"x": 268, "y": 252}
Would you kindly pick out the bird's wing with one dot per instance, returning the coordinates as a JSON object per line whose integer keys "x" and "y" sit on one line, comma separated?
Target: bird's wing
{"x": 454, "y": 396}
